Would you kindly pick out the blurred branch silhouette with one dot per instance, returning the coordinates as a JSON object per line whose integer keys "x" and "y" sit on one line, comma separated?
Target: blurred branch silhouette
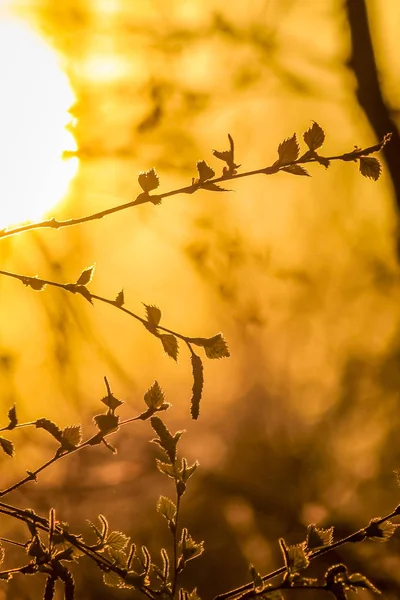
{"x": 362, "y": 62}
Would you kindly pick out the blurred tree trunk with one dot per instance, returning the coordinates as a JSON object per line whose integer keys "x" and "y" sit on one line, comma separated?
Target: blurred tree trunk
{"x": 369, "y": 95}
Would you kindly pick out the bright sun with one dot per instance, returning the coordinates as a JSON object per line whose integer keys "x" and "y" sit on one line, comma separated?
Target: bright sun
{"x": 34, "y": 99}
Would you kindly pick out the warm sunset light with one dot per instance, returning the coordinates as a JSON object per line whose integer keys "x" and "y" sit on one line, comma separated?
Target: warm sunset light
{"x": 35, "y": 96}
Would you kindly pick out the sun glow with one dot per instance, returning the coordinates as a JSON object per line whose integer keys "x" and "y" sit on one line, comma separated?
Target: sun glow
{"x": 34, "y": 100}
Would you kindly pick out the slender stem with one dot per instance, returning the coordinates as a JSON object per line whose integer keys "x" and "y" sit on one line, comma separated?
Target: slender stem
{"x": 190, "y": 189}
{"x": 72, "y": 288}
{"x": 32, "y": 475}
{"x": 175, "y": 545}
{"x": 357, "y": 536}
{"x": 7, "y": 541}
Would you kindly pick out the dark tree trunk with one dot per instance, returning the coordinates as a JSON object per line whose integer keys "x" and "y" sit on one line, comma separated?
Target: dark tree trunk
{"x": 369, "y": 95}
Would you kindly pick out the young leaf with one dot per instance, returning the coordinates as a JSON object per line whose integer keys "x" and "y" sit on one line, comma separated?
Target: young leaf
{"x": 296, "y": 170}
{"x": 257, "y": 579}
{"x": 295, "y": 556}
{"x": 228, "y": 157}
{"x": 111, "y": 401}
{"x": 170, "y": 345}
{"x": 213, "y": 187}
{"x": 380, "y": 532}
{"x": 166, "y": 508}
{"x": 288, "y": 150}
{"x": 187, "y": 471}
{"x": 117, "y": 540}
{"x": 357, "y": 580}
{"x": 83, "y": 291}
{"x": 154, "y": 397}
{"x": 215, "y": 347}
{"x": 86, "y": 276}
{"x": 148, "y": 180}
{"x": 316, "y": 538}
{"x": 166, "y": 440}
{"x": 198, "y": 381}
{"x": 166, "y": 468}
{"x": 120, "y": 300}
{"x": 71, "y": 437}
{"x": 153, "y": 314}
{"x": 12, "y": 415}
{"x": 106, "y": 423}
{"x": 189, "y": 548}
{"x": 35, "y": 283}
{"x": 370, "y": 167}
{"x": 204, "y": 170}
{"x": 112, "y": 579}
{"x": 50, "y": 427}
{"x": 7, "y": 446}
{"x": 314, "y": 137}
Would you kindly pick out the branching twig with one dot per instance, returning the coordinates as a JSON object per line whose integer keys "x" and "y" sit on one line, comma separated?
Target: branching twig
{"x": 210, "y": 183}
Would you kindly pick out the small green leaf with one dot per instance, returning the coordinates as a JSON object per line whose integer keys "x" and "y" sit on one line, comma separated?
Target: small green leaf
{"x": 189, "y": 548}
{"x": 296, "y": 170}
{"x": 166, "y": 440}
{"x": 316, "y": 538}
{"x": 166, "y": 508}
{"x": 12, "y": 415}
{"x": 117, "y": 540}
{"x": 111, "y": 401}
{"x": 357, "y": 580}
{"x": 71, "y": 436}
{"x": 154, "y": 397}
{"x": 288, "y": 150}
{"x": 50, "y": 427}
{"x": 120, "y": 300}
{"x": 213, "y": 187}
{"x": 137, "y": 580}
{"x": 295, "y": 557}
{"x": 314, "y": 137}
{"x": 198, "y": 382}
{"x": 204, "y": 170}
{"x": 380, "y": 532}
{"x": 107, "y": 423}
{"x": 228, "y": 157}
{"x": 35, "y": 283}
{"x": 187, "y": 471}
{"x": 170, "y": 345}
{"x": 112, "y": 579}
{"x": 149, "y": 180}
{"x": 215, "y": 347}
{"x": 83, "y": 291}
{"x": 370, "y": 167}
{"x": 166, "y": 468}
{"x": 257, "y": 579}
{"x": 153, "y": 314}
{"x": 86, "y": 276}
{"x": 7, "y": 446}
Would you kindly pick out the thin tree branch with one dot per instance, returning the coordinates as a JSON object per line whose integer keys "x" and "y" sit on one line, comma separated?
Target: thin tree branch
{"x": 144, "y": 198}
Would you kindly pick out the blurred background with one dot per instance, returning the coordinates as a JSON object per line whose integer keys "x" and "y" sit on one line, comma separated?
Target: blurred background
{"x": 301, "y": 424}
